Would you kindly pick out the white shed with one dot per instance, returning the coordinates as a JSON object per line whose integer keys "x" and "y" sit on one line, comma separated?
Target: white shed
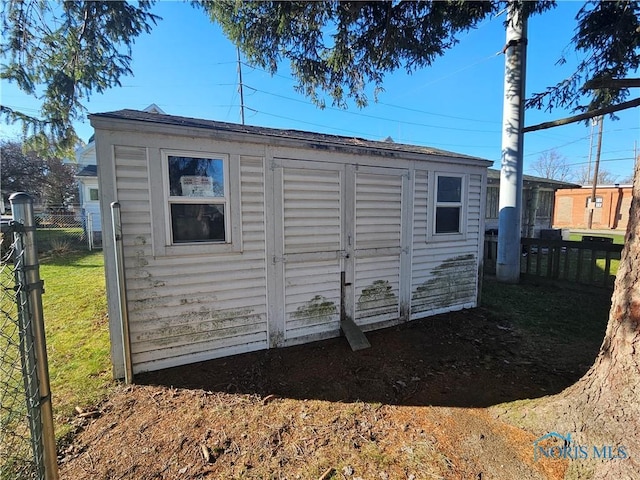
{"x": 238, "y": 238}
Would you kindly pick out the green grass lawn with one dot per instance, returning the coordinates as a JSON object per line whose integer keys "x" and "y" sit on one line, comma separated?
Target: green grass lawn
{"x": 63, "y": 240}
{"x": 75, "y": 315}
{"x": 617, "y": 238}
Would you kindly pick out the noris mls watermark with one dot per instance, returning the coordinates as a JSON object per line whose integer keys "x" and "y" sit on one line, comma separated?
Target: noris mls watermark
{"x": 554, "y": 445}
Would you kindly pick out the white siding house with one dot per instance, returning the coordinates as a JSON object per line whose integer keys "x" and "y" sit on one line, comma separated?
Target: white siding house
{"x": 88, "y": 189}
{"x": 238, "y": 238}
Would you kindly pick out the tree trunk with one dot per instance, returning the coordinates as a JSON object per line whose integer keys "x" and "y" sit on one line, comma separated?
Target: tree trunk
{"x": 603, "y": 407}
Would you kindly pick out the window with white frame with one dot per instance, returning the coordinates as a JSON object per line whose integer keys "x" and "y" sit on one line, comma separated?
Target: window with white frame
{"x": 598, "y": 203}
{"x": 449, "y": 204}
{"x": 197, "y": 198}
{"x": 93, "y": 194}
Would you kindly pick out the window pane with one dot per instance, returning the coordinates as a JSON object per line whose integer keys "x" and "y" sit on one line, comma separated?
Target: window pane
{"x": 449, "y": 189}
{"x": 196, "y": 177}
{"x": 492, "y": 202}
{"x": 197, "y": 223}
{"x": 545, "y": 203}
{"x": 447, "y": 219}
{"x": 598, "y": 203}
{"x": 93, "y": 194}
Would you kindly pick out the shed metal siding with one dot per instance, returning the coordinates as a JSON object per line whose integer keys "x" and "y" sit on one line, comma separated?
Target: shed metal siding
{"x": 307, "y": 215}
{"x": 378, "y": 227}
{"x": 312, "y": 210}
{"x": 186, "y": 308}
{"x": 312, "y": 221}
{"x": 444, "y": 274}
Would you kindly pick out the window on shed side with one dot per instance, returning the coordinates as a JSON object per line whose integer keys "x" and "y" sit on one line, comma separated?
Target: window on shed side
{"x": 448, "y": 205}
{"x": 198, "y": 199}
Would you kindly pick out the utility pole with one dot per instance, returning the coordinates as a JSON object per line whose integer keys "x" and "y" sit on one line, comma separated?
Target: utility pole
{"x": 510, "y": 216}
{"x": 240, "y": 86}
{"x": 593, "y": 124}
{"x": 594, "y": 186}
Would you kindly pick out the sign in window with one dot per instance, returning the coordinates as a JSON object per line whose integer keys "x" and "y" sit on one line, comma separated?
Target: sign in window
{"x": 197, "y": 199}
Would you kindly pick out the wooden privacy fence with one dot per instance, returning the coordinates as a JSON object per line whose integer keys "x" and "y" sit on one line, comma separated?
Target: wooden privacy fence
{"x": 592, "y": 261}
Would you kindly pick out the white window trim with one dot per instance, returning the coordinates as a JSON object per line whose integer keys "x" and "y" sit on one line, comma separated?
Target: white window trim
{"x": 433, "y": 204}
{"x": 231, "y": 200}
{"x": 89, "y": 188}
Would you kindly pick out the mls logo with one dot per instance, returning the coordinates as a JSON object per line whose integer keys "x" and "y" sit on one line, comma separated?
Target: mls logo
{"x": 554, "y": 445}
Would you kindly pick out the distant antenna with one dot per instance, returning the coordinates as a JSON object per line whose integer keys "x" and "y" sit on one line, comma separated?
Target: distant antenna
{"x": 240, "y": 86}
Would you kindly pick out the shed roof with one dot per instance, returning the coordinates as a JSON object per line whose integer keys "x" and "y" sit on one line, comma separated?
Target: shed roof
{"x": 319, "y": 138}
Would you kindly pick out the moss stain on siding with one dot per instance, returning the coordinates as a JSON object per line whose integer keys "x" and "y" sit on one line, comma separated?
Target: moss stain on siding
{"x": 377, "y": 295}
{"x": 448, "y": 285}
{"x": 141, "y": 261}
{"x": 318, "y": 308}
{"x": 203, "y": 324}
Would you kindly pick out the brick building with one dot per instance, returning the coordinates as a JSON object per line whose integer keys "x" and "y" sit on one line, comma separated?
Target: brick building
{"x": 610, "y": 210}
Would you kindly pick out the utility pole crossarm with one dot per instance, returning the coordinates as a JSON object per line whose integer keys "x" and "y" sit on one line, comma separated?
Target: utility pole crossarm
{"x": 612, "y": 83}
{"x": 583, "y": 116}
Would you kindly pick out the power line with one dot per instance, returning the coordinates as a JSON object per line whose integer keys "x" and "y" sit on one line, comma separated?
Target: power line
{"x": 462, "y": 69}
{"x": 577, "y": 140}
{"x": 557, "y": 146}
{"x": 624, "y": 159}
{"x": 409, "y": 109}
{"x": 309, "y": 123}
{"x": 368, "y": 135}
{"x": 375, "y": 117}
{"x": 424, "y": 112}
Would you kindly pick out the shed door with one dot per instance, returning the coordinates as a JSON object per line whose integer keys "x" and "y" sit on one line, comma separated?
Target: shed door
{"x": 312, "y": 222}
{"x": 378, "y": 248}
{"x": 331, "y": 218}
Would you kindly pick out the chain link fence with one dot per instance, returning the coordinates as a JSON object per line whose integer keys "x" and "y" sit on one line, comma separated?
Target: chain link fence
{"x": 27, "y": 442}
{"x": 63, "y": 231}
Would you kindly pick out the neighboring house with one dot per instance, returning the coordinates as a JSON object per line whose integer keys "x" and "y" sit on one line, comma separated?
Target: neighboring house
{"x": 238, "y": 238}
{"x": 87, "y": 179}
{"x": 610, "y": 210}
{"x": 537, "y": 202}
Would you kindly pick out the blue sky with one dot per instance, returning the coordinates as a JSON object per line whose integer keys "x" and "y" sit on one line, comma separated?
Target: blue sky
{"x": 187, "y": 67}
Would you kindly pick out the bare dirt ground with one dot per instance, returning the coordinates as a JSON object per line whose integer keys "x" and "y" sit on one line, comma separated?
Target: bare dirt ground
{"x": 413, "y": 406}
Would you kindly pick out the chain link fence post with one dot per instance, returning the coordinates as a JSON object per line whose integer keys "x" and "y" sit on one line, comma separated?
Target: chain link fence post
{"x": 89, "y": 229}
{"x": 17, "y": 372}
{"x": 29, "y": 295}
